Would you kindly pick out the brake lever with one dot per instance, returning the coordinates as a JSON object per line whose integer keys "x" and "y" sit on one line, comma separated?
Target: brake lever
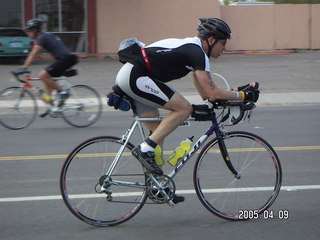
{"x": 238, "y": 119}
{"x": 248, "y": 106}
{"x": 16, "y": 74}
{"x": 243, "y": 109}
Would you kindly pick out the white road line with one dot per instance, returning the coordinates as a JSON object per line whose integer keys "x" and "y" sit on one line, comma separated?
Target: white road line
{"x": 191, "y": 191}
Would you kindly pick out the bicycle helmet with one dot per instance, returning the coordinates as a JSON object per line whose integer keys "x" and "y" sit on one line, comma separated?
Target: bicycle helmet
{"x": 214, "y": 27}
{"x": 34, "y": 24}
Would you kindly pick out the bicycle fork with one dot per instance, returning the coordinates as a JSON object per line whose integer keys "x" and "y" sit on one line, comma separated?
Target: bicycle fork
{"x": 222, "y": 146}
{"x": 225, "y": 154}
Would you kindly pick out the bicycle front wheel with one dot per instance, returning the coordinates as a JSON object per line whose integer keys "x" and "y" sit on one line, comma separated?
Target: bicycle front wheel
{"x": 83, "y": 174}
{"x": 18, "y": 108}
{"x": 83, "y": 107}
{"x": 238, "y": 198}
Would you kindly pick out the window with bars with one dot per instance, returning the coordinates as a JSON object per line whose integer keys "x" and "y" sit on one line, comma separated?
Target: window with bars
{"x": 10, "y": 15}
{"x": 66, "y": 19}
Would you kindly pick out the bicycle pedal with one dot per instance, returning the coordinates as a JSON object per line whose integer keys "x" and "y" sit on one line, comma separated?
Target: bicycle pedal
{"x": 46, "y": 113}
{"x": 171, "y": 204}
{"x": 55, "y": 112}
{"x": 54, "y": 115}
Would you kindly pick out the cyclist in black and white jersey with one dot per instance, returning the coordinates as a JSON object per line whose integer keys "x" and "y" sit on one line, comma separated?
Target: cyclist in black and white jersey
{"x": 165, "y": 61}
{"x": 64, "y": 59}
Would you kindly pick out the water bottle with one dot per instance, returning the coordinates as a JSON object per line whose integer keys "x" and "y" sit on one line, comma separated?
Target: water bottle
{"x": 180, "y": 151}
{"x": 44, "y": 95}
{"x": 158, "y": 156}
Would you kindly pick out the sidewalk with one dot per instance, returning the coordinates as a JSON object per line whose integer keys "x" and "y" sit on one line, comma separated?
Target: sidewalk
{"x": 265, "y": 100}
{"x": 285, "y": 78}
{"x": 292, "y": 99}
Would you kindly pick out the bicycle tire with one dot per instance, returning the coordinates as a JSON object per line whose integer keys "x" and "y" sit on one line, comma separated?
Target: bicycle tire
{"x": 256, "y": 190}
{"x": 82, "y": 170}
{"x": 18, "y": 108}
{"x": 83, "y": 107}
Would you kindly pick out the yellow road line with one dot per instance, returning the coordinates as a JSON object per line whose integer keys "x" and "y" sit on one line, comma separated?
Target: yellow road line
{"x": 61, "y": 156}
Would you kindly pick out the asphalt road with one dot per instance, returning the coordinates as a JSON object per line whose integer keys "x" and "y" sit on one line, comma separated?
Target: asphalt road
{"x": 31, "y": 159}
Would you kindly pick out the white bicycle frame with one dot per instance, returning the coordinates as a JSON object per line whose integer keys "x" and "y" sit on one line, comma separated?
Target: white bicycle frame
{"x": 137, "y": 123}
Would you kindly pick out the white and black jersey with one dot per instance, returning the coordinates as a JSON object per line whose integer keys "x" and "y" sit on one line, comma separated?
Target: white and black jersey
{"x": 174, "y": 58}
{"x": 169, "y": 59}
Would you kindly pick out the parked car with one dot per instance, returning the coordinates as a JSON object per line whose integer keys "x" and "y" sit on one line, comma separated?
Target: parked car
{"x": 14, "y": 43}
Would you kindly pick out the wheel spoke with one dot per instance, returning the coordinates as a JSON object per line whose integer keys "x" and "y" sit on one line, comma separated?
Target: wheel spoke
{"x": 83, "y": 107}
{"x": 18, "y": 108}
{"x": 91, "y": 195}
{"x": 260, "y": 176}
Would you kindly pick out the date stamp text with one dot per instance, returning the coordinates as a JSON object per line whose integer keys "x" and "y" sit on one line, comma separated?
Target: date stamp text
{"x": 246, "y": 214}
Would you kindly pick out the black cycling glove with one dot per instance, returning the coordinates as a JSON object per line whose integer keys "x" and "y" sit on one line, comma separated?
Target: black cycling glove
{"x": 250, "y": 94}
{"x": 244, "y": 87}
{"x": 20, "y": 71}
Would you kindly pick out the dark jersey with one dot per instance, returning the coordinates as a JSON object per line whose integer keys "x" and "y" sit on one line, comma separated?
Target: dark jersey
{"x": 174, "y": 58}
{"x": 53, "y": 45}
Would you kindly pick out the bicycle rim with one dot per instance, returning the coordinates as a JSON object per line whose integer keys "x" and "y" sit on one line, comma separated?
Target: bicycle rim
{"x": 83, "y": 107}
{"x": 226, "y": 196}
{"x": 79, "y": 182}
{"x": 18, "y": 108}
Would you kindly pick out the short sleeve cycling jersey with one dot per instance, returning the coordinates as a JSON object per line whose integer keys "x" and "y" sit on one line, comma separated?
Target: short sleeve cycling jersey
{"x": 53, "y": 45}
{"x": 174, "y": 58}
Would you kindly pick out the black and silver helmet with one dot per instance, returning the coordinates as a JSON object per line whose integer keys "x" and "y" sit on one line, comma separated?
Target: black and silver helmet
{"x": 34, "y": 24}
{"x": 214, "y": 27}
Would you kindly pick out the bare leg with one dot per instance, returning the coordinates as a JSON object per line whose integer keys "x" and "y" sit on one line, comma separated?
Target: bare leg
{"x": 152, "y": 125}
{"x": 180, "y": 110}
{"x": 49, "y": 83}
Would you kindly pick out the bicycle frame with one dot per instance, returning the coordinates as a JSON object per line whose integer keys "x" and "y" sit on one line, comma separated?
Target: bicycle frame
{"x": 214, "y": 128}
{"x": 78, "y": 105}
{"x": 26, "y": 84}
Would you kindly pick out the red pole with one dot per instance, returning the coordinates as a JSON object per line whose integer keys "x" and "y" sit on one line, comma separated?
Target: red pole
{"x": 92, "y": 26}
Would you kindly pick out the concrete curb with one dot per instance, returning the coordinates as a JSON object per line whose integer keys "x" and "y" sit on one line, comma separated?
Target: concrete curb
{"x": 265, "y": 100}
{"x": 261, "y": 52}
{"x": 277, "y": 99}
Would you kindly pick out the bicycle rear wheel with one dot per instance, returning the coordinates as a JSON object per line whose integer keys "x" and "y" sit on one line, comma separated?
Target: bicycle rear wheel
{"x": 85, "y": 169}
{"x": 254, "y": 192}
{"x": 18, "y": 108}
{"x": 83, "y": 107}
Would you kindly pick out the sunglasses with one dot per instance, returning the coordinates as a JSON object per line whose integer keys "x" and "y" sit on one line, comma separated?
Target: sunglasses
{"x": 224, "y": 41}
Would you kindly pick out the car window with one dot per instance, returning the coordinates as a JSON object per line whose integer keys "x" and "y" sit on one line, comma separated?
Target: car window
{"x": 12, "y": 33}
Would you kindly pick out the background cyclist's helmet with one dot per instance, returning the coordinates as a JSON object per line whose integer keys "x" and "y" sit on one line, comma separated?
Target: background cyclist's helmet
{"x": 214, "y": 27}
{"x": 34, "y": 24}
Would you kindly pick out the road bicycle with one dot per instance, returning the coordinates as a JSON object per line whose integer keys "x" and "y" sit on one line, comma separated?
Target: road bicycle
{"x": 19, "y": 107}
{"x": 102, "y": 184}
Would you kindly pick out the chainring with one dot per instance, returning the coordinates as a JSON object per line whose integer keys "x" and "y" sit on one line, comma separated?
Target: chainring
{"x": 156, "y": 194}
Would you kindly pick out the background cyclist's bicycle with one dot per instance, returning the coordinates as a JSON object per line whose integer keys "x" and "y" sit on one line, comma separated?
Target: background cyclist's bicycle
{"x": 19, "y": 107}
{"x": 104, "y": 185}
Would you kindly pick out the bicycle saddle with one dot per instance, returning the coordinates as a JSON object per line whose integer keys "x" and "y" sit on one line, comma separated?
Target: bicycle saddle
{"x": 70, "y": 72}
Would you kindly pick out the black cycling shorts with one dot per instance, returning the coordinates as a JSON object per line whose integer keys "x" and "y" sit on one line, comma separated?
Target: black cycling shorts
{"x": 57, "y": 68}
{"x": 148, "y": 93}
